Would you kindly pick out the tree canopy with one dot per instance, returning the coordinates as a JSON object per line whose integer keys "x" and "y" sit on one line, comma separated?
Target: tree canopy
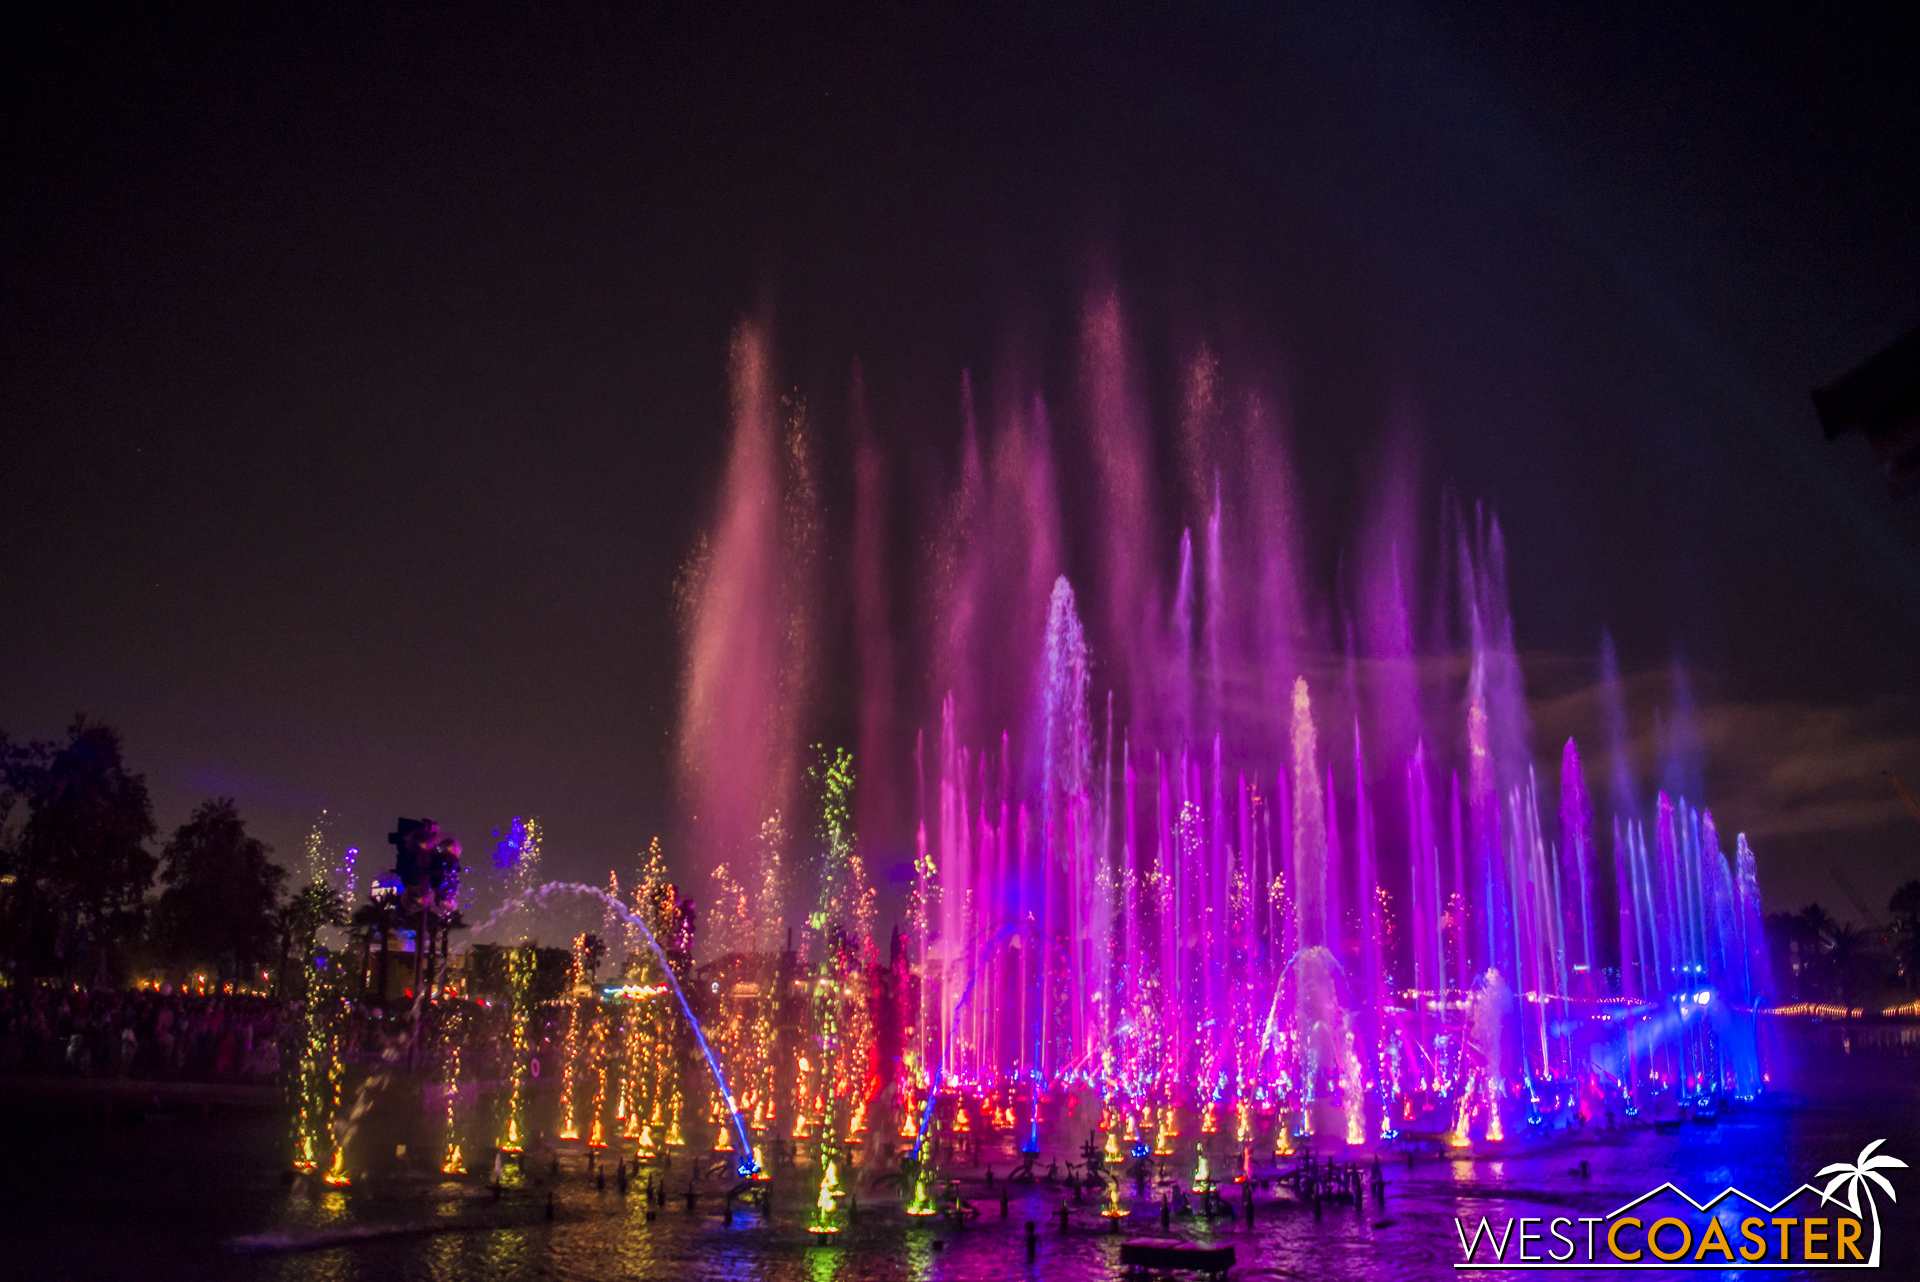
{"x": 221, "y": 892}
{"x": 316, "y": 906}
{"x": 1905, "y": 907}
{"x": 78, "y": 864}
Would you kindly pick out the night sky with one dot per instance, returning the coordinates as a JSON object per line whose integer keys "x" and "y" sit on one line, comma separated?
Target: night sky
{"x": 363, "y": 377}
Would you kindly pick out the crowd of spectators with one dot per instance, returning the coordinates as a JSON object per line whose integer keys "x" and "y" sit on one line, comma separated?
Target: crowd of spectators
{"x": 62, "y": 1030}
{"x": 55, "y": 1030}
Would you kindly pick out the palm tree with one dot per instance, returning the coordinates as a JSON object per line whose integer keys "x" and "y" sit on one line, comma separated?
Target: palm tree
{"x": 1855, "y": 1176}
{"x": 1849, "y": 952}
{"x": 301, "y": 919}
{"x": 1809, "y": 928}
{"x": 371, "y": 922}
{"x": 1905, "y": 906}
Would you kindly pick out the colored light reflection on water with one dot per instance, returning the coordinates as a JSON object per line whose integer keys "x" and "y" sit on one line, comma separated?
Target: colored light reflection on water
{"x": 188, "y": 1187}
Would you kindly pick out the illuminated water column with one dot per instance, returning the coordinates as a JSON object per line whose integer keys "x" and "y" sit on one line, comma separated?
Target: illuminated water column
{"x": 1498, "y": 1035}
{"x": 827, "y": 1216}
{"x": 320, "y": 1070}
{"x": 1755, "y": 967}
{"x": 826, "y": 1045}
{"x": 570, "y": 1053}
{"x": 1429, "y": 950}
{"x": 453, "y": 1163}
{"x": 520, "y": 967}
{"x": 1385, "y": 1028}
{"x": 600, "y": 1061}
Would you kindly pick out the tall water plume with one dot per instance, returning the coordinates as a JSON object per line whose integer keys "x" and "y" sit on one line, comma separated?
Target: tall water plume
{"x": 1138, "y": 873}
{"x": 873, "y": 629}
{"x": 1622, "y": 794}
{"x": 747, "y": 612}
{"x": 1386, "y": 571}
{"x": 1309, "y": 827}
{"x": 1122, "y": 466}
{"x": 1273, "y": 544}
{"x": 1576, "y": 852}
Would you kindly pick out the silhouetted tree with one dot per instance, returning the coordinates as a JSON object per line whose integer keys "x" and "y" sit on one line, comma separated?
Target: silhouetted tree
{"x": 7, "y": 797}
{"x": 78, "y": 867}
{"x": 301, "y": 919}
{"x": 487, "y": 971}
{"x": 551, "y": 974}
{"x": 1813, "y": 926}
{"x": 593, "y": 951}
{"x": 369, "y": 926}
{"x": 1815, "y": 923}
{"x": 1905, "y": 907}
{"x": 1794, "y": 950}
{"x": 1849, "y": 952}
{"x": 221, "y": 892}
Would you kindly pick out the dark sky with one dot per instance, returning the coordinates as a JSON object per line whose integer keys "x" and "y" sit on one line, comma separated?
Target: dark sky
{"x": 362, "y": 376}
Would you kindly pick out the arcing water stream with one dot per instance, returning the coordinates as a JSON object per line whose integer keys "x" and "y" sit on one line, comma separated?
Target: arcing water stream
{"x": 1186, "y": 867}
{"x": 633, "y": 922}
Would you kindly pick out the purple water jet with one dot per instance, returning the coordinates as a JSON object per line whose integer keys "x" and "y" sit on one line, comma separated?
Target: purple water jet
{"x": 1145, "y": 876}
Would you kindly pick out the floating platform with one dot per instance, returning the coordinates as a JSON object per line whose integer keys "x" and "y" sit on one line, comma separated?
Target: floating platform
{"x": 1157, "y": 1253}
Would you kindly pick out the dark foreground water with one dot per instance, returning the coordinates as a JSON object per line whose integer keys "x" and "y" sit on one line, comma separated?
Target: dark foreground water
{"x": 187, "y": 1194}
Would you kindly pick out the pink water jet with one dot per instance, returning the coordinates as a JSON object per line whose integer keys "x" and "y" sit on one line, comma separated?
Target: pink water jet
{"x": 1174, "y": 849}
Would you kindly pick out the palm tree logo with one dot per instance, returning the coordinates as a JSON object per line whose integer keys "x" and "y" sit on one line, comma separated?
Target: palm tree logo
{"x": 1855, "y": 1176}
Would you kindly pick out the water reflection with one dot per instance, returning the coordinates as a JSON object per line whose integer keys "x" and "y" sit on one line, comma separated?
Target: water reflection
{"x": 188, "y": 1192}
